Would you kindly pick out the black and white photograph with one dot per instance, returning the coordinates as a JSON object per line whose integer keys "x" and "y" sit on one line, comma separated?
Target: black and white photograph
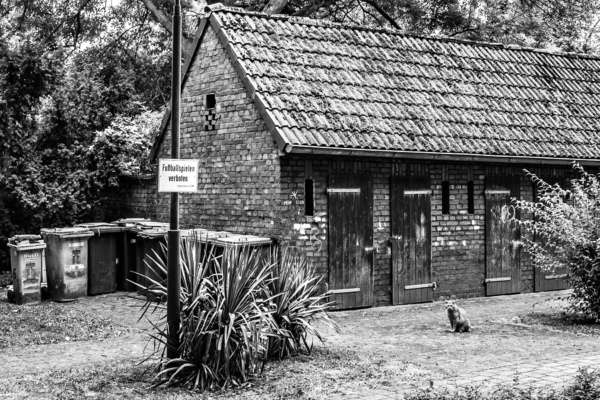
{"x": 300, "y": 199}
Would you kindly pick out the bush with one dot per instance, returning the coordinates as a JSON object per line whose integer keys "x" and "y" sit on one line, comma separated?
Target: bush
{"x": 234, "y": 308}
{"x": 567, "y": 235}
{"x": 296, "y": 305}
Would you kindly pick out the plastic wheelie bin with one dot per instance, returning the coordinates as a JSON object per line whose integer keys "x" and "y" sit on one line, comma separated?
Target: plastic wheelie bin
{"x": 126, "y": 253}
{"x": 237, "y": 246}
{"x": 67, "y": 262}
{"x": 27, "y": 261}
{"x": 103, "y": 259}
{"x": 150, "y": 244}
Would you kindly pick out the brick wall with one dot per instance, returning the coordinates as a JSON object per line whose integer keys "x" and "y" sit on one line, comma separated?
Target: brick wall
{"x": 134, "y": 198}
{"x": 239, "y": 183}
{"x": 458, "y": 238}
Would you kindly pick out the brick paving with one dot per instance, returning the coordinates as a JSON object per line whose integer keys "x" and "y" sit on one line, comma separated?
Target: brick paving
{"x": 497, "y": 353}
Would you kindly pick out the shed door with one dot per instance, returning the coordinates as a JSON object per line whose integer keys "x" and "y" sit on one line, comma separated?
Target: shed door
{"x": 351, "y": 240}
{"x": 411, "y": 240}
{"x": 503, "y": 260}
{"x": 547, "y": 281}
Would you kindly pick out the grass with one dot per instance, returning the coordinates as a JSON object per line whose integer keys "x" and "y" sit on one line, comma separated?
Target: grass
{"x": 324, "y": 374}
{"x": 559, "y": 320}
{"x": 49, "y": 322}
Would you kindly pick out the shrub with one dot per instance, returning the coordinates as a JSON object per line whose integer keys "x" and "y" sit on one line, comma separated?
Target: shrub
{"x": 230, "y": 303}
{"x": 296, "y": 304}
{"x": 567, "y": 235}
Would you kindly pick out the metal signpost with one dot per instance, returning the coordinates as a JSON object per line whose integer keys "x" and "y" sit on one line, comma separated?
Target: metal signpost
{"x": 173, "y": 272}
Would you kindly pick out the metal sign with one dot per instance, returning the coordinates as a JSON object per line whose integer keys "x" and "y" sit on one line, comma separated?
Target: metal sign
{"x": 178, "y": 176}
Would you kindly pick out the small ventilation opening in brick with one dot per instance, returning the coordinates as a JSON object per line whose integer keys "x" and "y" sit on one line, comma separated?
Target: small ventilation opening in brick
{"x": 445, "y": 197}
{"x": 470, "y": 197}
{"x": 211, "y": 101}
{"x": 309, "y": 197}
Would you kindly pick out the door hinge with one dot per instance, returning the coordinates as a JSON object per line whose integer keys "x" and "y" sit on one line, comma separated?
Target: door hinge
{"x": 421, "y": 286}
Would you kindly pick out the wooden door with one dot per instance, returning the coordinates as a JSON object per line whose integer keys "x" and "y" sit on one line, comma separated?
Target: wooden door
{"x": 547, "y": 281}
{"x": 411, "y": 240}
{"x": 503, "y": 258}
{"x": 351, "y": 240}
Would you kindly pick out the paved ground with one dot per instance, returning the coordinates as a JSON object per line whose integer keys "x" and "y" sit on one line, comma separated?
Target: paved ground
{"x": 498, "y": 350}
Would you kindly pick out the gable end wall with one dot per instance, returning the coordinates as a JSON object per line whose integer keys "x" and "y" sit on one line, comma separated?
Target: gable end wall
{"x": 239, "y": 161}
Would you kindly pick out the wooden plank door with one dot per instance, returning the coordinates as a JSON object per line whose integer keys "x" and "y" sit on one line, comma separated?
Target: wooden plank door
{"x": 411, "y": 240}
{"x": 351, "y": 240}
{"x": 556, "y": 280}
{"x": 503, "y": 259}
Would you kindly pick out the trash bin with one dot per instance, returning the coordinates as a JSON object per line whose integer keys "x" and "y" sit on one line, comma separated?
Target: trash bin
{"x": 103, "y": 259}
{"x": 27, "y": 262}
{"x": 236, "y": 246}
{"x": 67, "y": 262}
{"x": 126, "y": 253}
{"x": 149, "y": 248}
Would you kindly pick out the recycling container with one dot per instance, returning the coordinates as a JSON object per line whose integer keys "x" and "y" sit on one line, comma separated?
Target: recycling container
{"x": 126, "y": 246}
{"x": 27, "y": 262}
{"x": 67, "y": 262}
{"x": 103, "y": 259}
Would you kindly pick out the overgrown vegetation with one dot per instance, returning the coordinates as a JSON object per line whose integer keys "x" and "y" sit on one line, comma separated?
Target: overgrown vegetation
{"x": 240, "y": 306}
{"x": 565, "y": 233}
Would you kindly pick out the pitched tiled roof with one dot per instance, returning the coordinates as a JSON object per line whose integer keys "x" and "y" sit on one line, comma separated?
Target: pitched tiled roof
{"x": 325, "y": 85}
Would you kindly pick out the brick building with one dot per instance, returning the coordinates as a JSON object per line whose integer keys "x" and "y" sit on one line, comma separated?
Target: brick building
{"x": 381, "y": 155}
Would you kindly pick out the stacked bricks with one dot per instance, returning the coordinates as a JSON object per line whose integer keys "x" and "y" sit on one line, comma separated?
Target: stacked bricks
{"x": 210, "y": 119}
{"x": 239, "y": 184}
{"x": 136, "y": 196}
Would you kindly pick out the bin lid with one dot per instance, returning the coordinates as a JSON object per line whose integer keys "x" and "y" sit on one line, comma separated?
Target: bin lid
{"x": 129, "y": 221}
{"x": 67, "y": 232}
{"x": 198, "y": 232}
{"x": 101, "y": 227}
{"x": 26, "y": 242}
{"x": 143, "y": 225}
{"x": 155, "y": 233}
{"x": 241, "y": 240}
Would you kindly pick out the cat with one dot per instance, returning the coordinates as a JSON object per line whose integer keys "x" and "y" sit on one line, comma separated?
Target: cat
{"x": 458, "y": 317}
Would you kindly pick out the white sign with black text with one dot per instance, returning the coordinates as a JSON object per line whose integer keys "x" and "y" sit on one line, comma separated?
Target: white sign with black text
{"x": 178, "y": 176}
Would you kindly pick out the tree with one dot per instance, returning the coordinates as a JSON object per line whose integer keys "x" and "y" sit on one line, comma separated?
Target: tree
{"x": 565, "y": 233}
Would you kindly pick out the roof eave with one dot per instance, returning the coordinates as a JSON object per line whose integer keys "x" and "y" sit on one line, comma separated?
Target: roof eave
{"x": 424, "y": 155}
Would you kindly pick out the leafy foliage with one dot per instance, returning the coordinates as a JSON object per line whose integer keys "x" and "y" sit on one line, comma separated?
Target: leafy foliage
{"x": 565, "y": 233}
{"x": 228, "y": 313}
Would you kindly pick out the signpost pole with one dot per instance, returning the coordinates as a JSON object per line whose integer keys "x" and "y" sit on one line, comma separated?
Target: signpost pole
{"x": 174, "y": 258}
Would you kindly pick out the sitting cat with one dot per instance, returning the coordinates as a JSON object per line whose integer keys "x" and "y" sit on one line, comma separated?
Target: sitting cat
{"x": 458, "y": 317}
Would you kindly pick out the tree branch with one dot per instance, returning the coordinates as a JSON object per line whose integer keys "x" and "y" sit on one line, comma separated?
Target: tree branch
{"x": 159, "y": 15}
{"x": 383, "y": 13}
{"x": 275, "y": 6}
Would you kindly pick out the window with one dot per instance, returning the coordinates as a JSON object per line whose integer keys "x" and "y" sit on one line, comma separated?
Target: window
{"x": 309, "y": 197}
{"x": 211, "y": 101}
{"x": 471, "y": 197}
{"x": 445, "y": 197}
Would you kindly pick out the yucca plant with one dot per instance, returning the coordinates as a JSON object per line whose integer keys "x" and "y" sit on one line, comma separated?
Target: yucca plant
{"x": 224, "y": 315}
{"x": 296, "y": 303}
